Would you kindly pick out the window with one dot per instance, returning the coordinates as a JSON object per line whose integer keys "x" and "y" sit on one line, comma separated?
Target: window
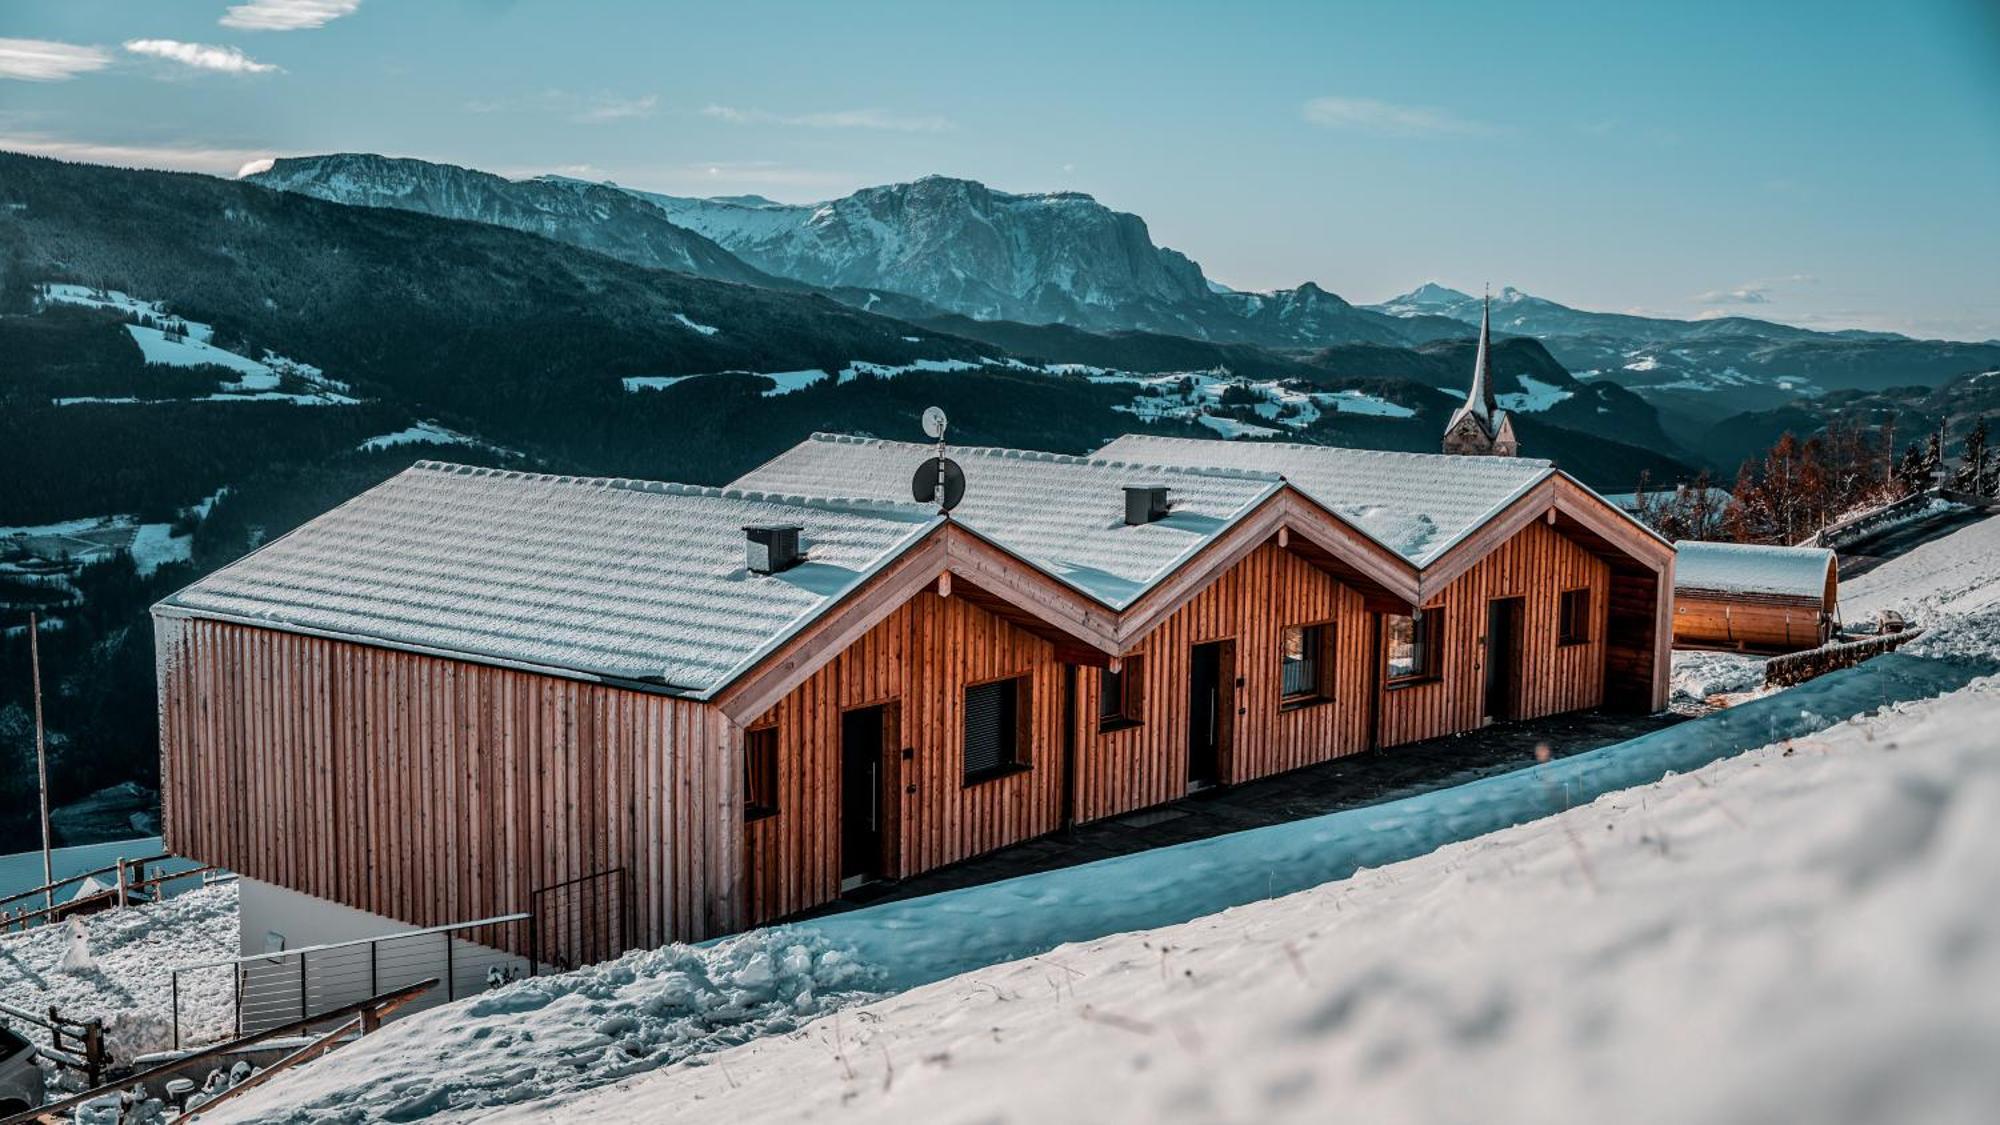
{"x": 1412, "y": 646}
{"x": 1573, "y": 617}
{"x": 1305, "y": 664}
{"x": 993, "y": 729}
{"x": 1121, "y": 695}
{"x": 760, "y": 772}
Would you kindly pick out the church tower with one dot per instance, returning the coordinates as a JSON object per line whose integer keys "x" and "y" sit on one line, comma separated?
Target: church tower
{"x": 1480, "y": 428}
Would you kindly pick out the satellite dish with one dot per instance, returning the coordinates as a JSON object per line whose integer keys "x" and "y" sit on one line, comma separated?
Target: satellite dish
{"x": 939, "y": 480}
{"x": 935, "y": 423}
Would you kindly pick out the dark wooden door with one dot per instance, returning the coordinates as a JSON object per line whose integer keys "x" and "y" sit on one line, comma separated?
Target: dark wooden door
{"x": 861, "y": 799}
{"x": 1211, "y": 711}
{"x": 1503, "y": 657}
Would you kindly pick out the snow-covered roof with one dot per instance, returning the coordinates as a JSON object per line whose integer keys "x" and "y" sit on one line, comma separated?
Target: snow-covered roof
{"x": 1064, "y": 514}
{"x": 623, "y": 579}
{"x": 1416, "y": 504}
{"x": 1749, "y": 568}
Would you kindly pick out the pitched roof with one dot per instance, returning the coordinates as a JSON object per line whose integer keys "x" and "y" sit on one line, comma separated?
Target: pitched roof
{"x": 1064, "y": 514}
{"x": 1416, "y": 504}
{"x": 620, "y": 579}
{"x": 1749, "y": 568}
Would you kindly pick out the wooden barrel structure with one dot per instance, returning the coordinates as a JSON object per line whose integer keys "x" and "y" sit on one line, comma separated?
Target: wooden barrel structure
{"x": 1754, "y": 598}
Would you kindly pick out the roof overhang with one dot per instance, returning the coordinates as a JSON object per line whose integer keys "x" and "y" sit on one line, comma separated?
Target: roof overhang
{"x": 1579, "y": 514}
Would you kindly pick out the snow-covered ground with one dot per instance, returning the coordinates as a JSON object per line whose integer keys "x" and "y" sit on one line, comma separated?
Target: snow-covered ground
{"x": 1807, "y": 932}
{"x": 1197, "y": 396}
{"x": 1700, "y": 677}
{"x": 422, "y": 433}
{"x": 128, "y": 980}
{"x": 175, "y": 341}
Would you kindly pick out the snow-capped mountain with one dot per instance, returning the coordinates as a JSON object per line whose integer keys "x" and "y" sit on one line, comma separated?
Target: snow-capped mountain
{"x": 966, "y": 248}
{"x": 1528, "y": 315}
{"x": 592, "y": 216}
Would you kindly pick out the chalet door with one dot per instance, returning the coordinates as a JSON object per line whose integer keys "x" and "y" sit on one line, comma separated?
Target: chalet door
{"x": 1503, "y": 657}
{"x": 861, "y": 806}
{"x": 1211, "y": 710}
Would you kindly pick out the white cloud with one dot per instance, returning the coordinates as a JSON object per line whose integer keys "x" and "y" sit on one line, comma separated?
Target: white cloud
{"x": 172, "y": 157}
{"x": 1756, "y": 292}
{"x": 201, "y": 56}
{"x": 833, "y": 119}
{"x": 1744, "y": 295}
{"x": 618, "y": 109}
{"x": 42, "y": 60}
{"x": 287, "y": 15}
{"x": 252, "y": 168}
{"x": 1383, "y": 117}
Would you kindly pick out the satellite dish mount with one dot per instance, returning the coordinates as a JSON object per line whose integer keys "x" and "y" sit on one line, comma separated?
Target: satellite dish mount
{"x": 939, "y": 480}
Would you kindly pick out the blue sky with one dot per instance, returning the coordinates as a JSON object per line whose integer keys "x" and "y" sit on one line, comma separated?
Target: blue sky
{"x": 1825, "y": 163}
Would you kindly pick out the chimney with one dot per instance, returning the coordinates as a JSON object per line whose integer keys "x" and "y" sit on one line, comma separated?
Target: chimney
{"x": 771, "y": 547}
{"x": 1144, "y": 503}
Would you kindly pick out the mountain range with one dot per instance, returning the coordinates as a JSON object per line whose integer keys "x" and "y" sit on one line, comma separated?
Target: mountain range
{"x": 195, "y": 365}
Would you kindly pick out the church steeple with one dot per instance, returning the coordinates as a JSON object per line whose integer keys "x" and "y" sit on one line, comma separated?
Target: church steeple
{"x": 1480, "y": 400}
{"x": 1480, "y": 427}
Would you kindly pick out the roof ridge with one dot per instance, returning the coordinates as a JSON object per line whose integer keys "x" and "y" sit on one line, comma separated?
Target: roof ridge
{"x": 856, "y": 504}
{"x": 1010, "y": 453}
{"x": 1306, "y": 445}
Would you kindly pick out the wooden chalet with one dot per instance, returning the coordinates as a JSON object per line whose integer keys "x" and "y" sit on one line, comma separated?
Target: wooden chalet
{"x": 467, "y": 686}
{"x": 1754, "y": 598}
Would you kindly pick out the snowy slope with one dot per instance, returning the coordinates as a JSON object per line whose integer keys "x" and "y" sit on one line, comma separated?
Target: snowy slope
{"x": 1809, "y": 932}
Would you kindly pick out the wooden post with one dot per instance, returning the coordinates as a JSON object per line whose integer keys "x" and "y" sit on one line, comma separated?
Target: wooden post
{"x": 93, "y": 1051}
{"x": 123, "y": 888}
{"x": 41, "y": 759}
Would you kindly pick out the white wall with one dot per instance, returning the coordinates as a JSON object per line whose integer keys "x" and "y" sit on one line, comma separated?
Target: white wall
{"x": 336, "y": 977}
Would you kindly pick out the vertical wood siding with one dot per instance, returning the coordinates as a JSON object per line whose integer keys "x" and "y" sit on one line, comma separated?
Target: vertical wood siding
{"x": 434, "y": 791}
{"x": 920, "y": 658}
{"x": 1252, "y": 602}
{"x": 1536, "y": 564}
{"x": 1761, "y": 623}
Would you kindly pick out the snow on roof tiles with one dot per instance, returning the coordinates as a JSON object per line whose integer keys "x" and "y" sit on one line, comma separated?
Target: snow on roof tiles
{"x": 1064, "y": 514}
{"x": 1749, "y": 568}
{"x": 1417, "y": 504}
{"x": 618, "y": 578}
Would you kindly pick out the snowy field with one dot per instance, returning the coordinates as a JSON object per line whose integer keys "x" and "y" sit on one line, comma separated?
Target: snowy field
{"x": 125, "y": 978}
{"x": 1808, "y": 932}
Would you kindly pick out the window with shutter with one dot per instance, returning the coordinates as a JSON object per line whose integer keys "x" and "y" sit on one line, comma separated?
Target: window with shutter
{"x": 993, "y": 729}
{"x": 760, "y": 773}
{"x": 1121, "y": 695}
{"x": 1305, "y": 664}
{"x": 1411, "y": 646}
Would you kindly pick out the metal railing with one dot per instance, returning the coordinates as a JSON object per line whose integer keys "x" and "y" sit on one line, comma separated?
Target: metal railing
{"x": 582, "y": 921}
{"x": 129, "y": 885}
{"x": 293, "y": 985}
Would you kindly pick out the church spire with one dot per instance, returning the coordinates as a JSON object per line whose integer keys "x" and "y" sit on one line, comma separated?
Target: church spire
{"x": 1480, "y": 427}
{"x": 1479, "y": 400}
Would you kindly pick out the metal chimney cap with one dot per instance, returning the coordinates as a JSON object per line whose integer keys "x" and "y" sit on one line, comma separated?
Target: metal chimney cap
{"x": 1145, "y": 503}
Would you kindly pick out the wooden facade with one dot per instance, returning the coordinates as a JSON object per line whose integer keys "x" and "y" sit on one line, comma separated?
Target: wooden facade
{"x": 1765, "y": 623}
{"x": 434, "y": 790}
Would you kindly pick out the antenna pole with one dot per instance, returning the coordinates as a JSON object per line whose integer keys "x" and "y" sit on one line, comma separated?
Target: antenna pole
{"x": 942, "y": 510}
{"x": 41, "y": 759}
